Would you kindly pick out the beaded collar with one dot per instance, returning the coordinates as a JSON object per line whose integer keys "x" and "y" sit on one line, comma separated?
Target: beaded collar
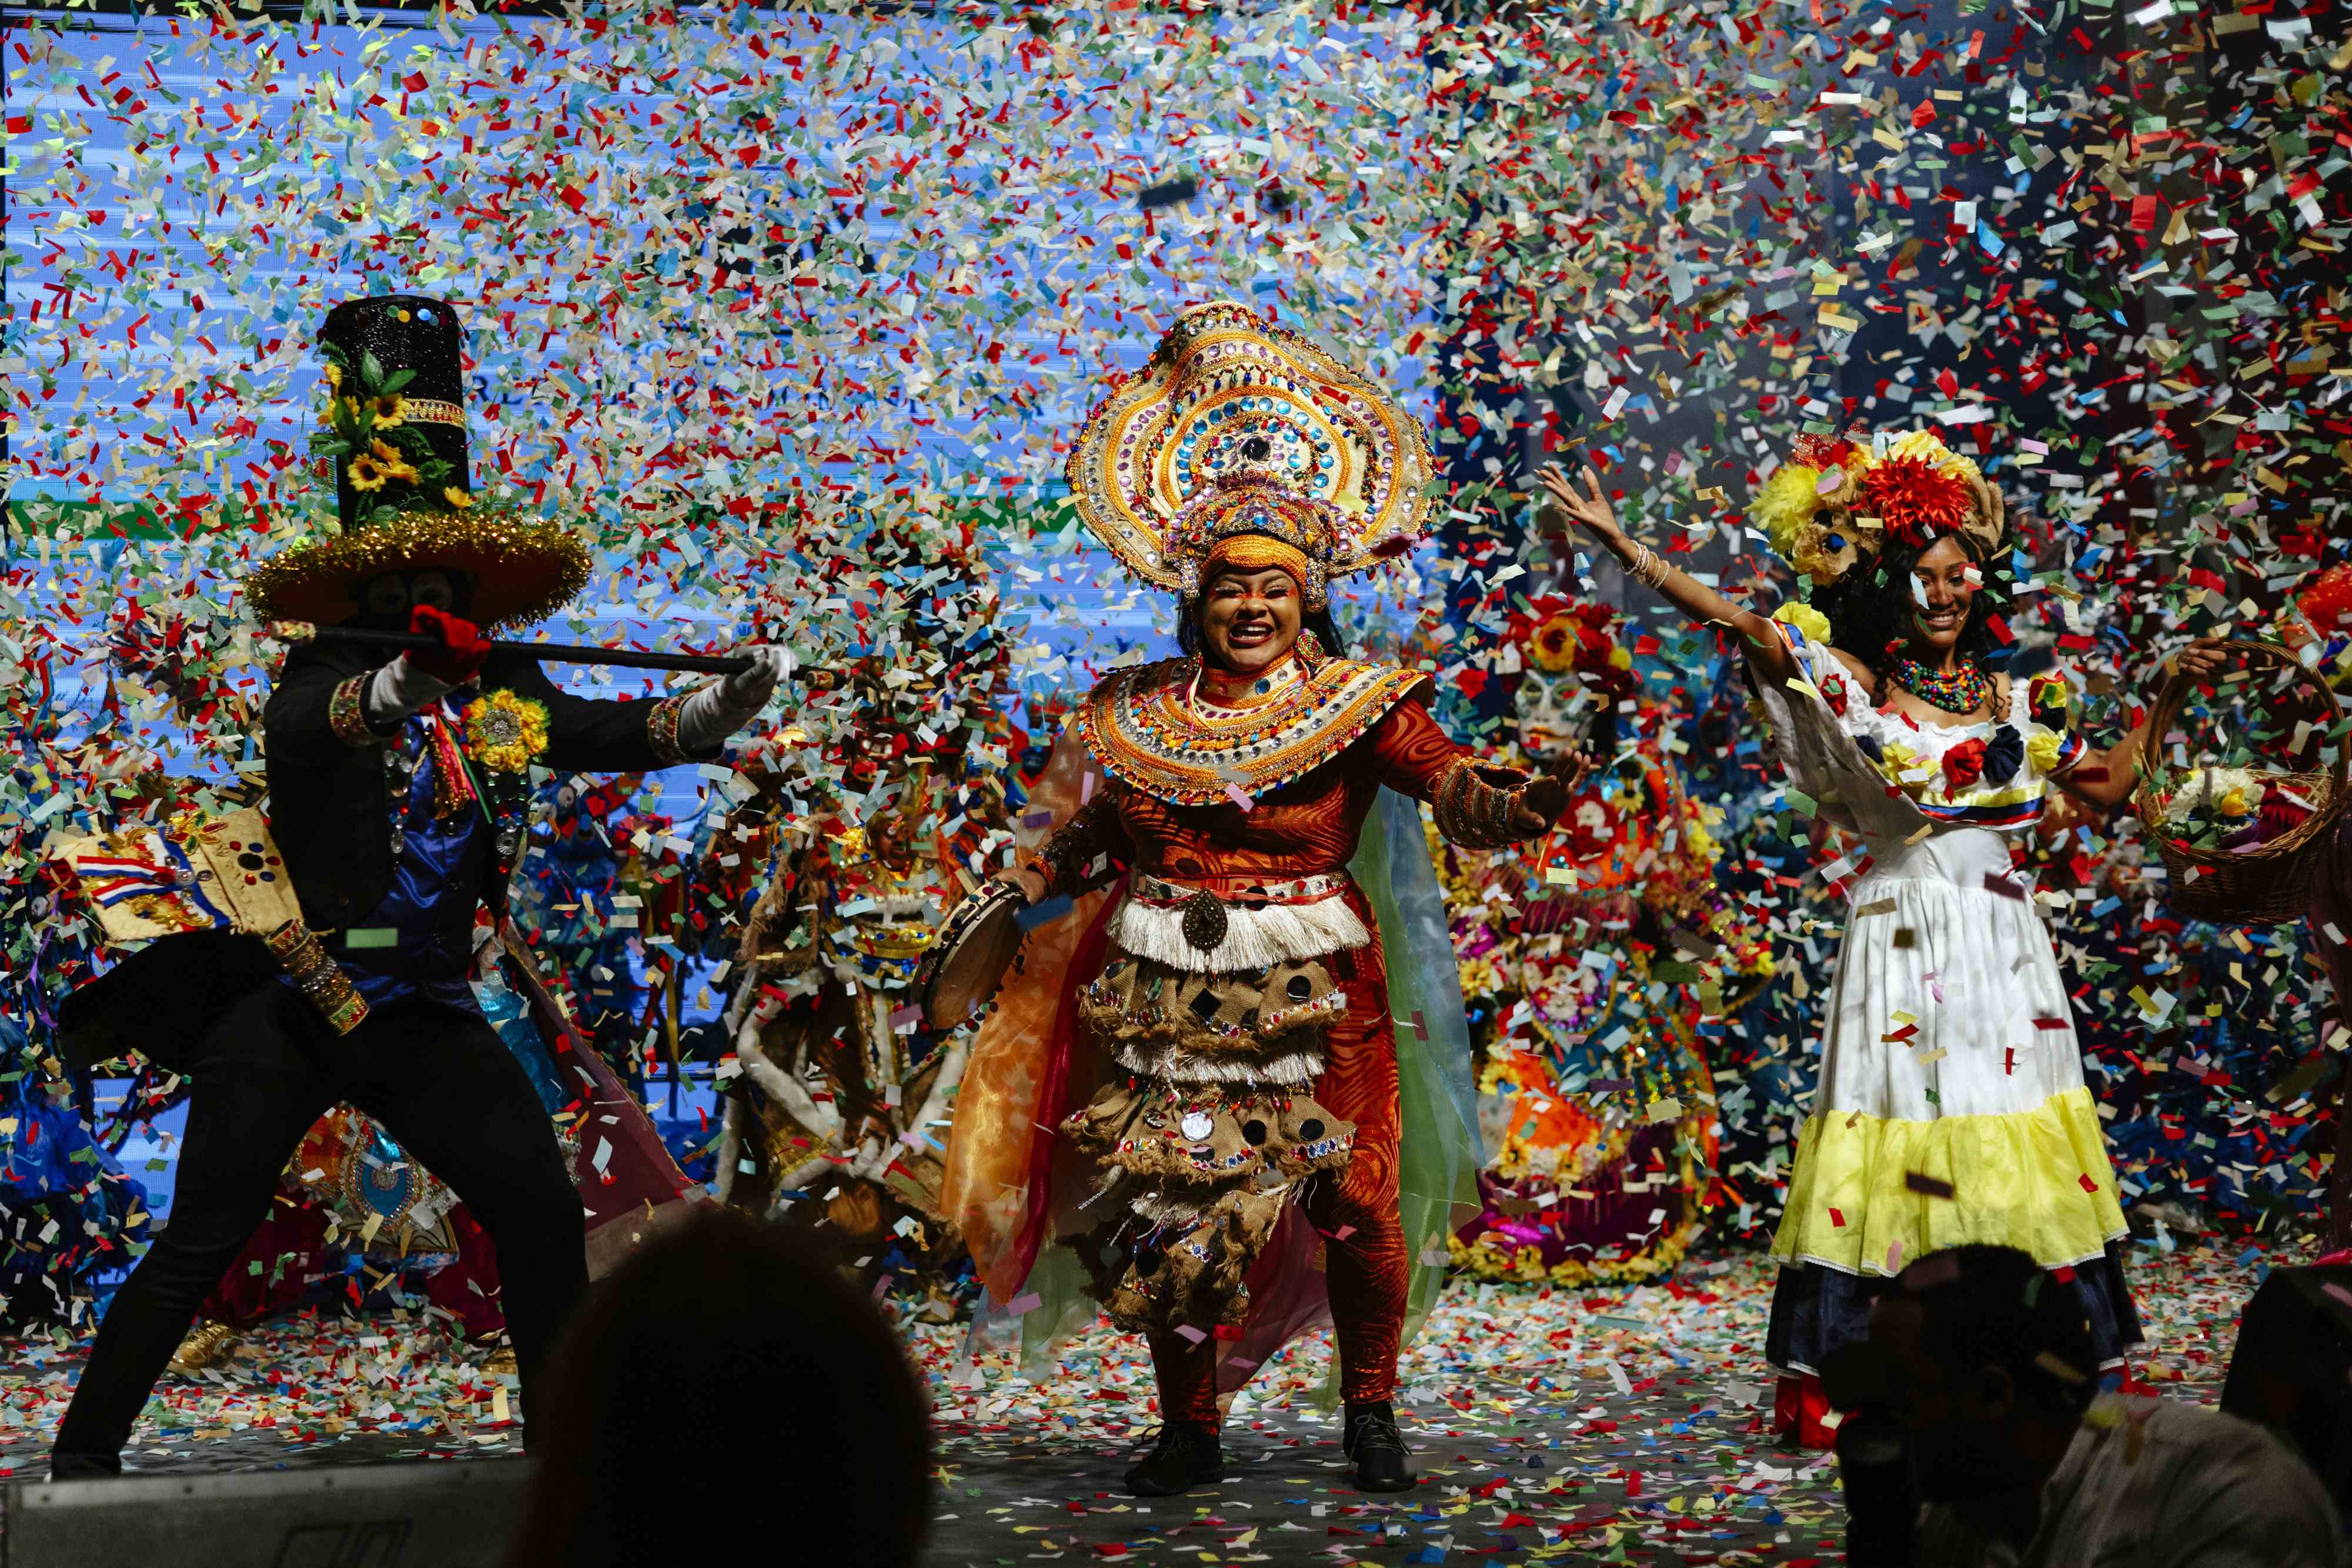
{"x": 1961, "y": 690}
{"x": 1195, "y": 737}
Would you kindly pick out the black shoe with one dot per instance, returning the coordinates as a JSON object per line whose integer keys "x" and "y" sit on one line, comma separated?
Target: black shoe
{"x": 1372, "y": 1440}
{"x": 66, "y": 1465}
{"x": 1188, "y": 1454}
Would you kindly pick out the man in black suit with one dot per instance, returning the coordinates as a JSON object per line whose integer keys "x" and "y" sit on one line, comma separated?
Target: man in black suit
{"x": 399, "y": 793}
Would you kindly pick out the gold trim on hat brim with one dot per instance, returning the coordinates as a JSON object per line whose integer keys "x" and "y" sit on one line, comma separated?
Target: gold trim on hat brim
{"x": 523, "y": 567}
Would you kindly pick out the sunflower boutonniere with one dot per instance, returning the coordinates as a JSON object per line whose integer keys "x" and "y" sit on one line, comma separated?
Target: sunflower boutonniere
{"x": 504, "y": 733}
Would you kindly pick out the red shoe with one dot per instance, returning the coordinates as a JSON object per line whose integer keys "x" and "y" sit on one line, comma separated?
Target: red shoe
{"x": 1799, "y": 1406}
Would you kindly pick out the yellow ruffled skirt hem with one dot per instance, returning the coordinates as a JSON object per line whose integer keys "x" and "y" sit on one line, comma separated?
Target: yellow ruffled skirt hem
{"x": 1867, "y": 1192}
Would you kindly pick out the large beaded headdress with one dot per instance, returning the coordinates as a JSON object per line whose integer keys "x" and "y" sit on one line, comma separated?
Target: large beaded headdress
{"x": 1240, "y": 428}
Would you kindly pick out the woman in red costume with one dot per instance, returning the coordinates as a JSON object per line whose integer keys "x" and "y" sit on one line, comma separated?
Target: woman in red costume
{"x": 1212, "y": 1034}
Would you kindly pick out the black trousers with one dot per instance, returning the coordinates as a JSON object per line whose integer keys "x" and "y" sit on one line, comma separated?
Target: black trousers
{"x": 437, "y": 1079}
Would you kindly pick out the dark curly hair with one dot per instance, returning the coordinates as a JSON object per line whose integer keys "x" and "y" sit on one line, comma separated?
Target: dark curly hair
{"x": 1871, "y": 605}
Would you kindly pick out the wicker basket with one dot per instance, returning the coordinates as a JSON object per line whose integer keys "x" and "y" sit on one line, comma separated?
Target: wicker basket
{"x": 2271, "y": 882}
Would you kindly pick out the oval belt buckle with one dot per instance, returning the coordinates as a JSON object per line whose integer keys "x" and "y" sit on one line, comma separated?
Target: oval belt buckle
{"x": 1205, "y": 922}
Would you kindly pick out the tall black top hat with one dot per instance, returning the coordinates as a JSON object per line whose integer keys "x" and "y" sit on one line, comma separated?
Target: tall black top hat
{"x": 396, "y": 433}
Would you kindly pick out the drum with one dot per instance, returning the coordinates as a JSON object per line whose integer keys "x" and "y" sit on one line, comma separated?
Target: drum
{"x": 964, "y": 967}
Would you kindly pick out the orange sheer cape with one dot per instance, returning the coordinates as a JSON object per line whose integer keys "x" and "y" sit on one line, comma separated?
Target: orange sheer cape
{"x": 1001, "y": 1146}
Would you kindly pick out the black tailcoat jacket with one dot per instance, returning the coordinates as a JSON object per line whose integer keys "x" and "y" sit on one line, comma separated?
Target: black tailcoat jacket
{"x": 330, "y": 815}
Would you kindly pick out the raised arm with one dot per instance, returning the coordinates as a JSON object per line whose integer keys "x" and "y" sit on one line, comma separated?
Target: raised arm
{"x": 1768, "y": 652}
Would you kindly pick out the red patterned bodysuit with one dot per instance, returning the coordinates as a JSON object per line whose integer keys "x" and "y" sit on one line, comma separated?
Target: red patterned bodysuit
{"x": 1305, "y": 827}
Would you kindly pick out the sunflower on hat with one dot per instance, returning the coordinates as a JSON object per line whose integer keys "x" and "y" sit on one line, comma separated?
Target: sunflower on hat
{"x": 395, "y": 436}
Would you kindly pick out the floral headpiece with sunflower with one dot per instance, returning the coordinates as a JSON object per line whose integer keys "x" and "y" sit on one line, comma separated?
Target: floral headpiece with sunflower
{"x": 1838, "y": 499}
{"x": 1557, "y": 635}
{"x": 394, "y": 438}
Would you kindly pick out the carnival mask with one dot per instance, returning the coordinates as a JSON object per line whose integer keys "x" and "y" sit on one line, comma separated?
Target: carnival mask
{"x": 1552, "y": 709}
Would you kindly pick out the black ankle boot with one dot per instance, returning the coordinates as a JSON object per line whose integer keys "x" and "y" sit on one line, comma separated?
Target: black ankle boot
{"x": 1372, "y": 1440}
{"x": 65, "y": 1465}
{"x": 1188, "y": 1454}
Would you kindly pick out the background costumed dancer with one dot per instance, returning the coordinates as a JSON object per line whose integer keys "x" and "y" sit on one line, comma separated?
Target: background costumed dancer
{"x": 1951, "y": 1106}
{"x": 841, "y": 1089}
{"x": 1203, "y": 1008}
{"x": 1585, "y": 957}
{"x": 399, "y": 793}
{"x": 860, "y": 844}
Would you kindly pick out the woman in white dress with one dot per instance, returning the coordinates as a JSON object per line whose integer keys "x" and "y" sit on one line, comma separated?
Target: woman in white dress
{"x": 1951, "y": 1106}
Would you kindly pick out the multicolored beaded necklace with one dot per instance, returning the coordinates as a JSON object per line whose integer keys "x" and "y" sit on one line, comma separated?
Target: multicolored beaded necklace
{"x": 1963, "y": 689}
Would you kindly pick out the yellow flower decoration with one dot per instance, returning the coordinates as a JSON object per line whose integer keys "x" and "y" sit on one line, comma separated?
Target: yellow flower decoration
{"x": 387, "y": 409}
{"x": 456, "y": 497}
{"x": 2235, "y": 803}
{"x": 1805, "y": 619}
{"x": 504, "y": 733}
{"x": 1899, "y": 763}
{"x": 334, "y": 376}
{"x": 366, "y": 473}
{"x": 1552, "y": 648}
{"x": 393, "y": 464}
{"x": 1786, "y": 504}
{"x": 2042, "y": 750}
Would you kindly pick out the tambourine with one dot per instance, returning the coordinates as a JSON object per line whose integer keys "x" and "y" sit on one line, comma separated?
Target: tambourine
{"x": 963, "y": 969}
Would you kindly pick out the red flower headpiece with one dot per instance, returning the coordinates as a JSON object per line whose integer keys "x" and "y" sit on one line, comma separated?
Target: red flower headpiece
{"x": 1916, "y": 500}
{"x": 1556, "y": 633}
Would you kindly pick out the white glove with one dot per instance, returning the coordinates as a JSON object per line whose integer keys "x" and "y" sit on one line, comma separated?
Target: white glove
{"x": 399, "y": 689}
{"x": 718, "y": 710}
{"x": 749, "y": 690}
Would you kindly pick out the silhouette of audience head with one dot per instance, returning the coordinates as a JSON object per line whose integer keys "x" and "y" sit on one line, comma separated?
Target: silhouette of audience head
{"x": 727, "y": 1370}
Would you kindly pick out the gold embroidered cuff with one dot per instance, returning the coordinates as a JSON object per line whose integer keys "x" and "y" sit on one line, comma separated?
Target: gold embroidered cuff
{"x": 661, "y": 730}
{"x": 319, "y": 978}
{"x": 1473, "y": 808}
{"x": 347, "y": 712}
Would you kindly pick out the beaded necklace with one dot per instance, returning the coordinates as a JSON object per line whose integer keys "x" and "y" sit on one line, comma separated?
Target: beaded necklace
{"x": 1962, "y": 690}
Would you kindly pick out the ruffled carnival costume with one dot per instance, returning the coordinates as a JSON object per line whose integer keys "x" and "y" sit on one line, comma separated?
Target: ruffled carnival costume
{"x": 1248, "y": 1145}
{"x": 1593, "y": 953}
{"x": 1951, "y": 1106}
{"x": 840, "y": 1093}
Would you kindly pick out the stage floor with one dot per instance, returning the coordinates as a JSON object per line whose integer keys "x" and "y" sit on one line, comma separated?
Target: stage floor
{"x": 1590, "y": 1425}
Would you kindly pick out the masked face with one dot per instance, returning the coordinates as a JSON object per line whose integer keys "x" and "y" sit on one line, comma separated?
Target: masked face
{"x": 1552, "y": 711}
{"x": 891, "y": 836}
{"x": 386, "y": 598}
